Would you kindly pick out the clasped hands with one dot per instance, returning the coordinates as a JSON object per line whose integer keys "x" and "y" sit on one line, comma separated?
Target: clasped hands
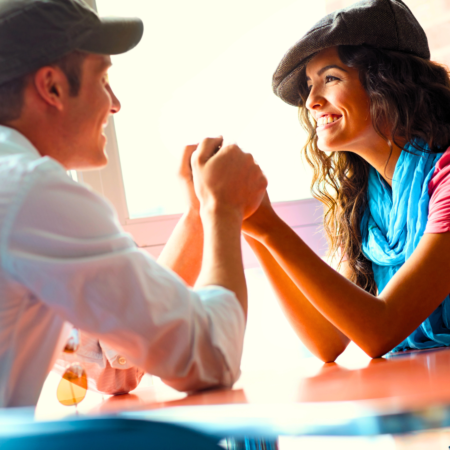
{"x": 224, "y": 179}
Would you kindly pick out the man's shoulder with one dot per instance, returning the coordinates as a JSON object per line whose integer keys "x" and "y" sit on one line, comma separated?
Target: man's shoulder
{"x": 21, "y": 168}
{"x": 34, "y": 187}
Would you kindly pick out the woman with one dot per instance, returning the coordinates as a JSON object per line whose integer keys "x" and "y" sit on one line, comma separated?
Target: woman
{"x": 378, "y": 116}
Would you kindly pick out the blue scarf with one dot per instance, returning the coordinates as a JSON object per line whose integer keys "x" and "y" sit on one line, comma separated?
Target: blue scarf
{"x": 391, "y": 229}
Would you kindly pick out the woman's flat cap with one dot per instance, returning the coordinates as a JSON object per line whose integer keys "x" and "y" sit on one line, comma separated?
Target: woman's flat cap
{"x": 387, "y": 24}
{"x": 34, "y": 33}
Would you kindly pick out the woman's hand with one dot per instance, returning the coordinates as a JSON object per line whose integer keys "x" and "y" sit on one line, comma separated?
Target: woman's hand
{"x": 186, "y": 179}
{"x": 260, "y": 221}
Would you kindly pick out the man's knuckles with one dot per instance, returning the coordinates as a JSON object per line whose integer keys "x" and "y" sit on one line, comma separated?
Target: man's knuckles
{"x": 209, "y": 146}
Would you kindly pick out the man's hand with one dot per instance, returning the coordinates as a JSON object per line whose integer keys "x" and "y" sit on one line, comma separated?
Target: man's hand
{"x": 227, "y": 179}
{"x": 230, "y": 187}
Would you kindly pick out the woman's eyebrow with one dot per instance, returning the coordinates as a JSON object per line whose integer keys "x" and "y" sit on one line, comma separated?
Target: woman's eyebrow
{"x": 323, "y": 69}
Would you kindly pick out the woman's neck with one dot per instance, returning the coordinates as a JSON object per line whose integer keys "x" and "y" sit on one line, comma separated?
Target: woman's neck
{"x": 382, "y": 159}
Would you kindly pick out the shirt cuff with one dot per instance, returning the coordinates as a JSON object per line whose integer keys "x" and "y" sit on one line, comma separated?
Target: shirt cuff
{"x": 116, "y": 360}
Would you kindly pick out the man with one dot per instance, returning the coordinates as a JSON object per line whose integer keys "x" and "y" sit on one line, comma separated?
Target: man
{"x": 64, "y": 258}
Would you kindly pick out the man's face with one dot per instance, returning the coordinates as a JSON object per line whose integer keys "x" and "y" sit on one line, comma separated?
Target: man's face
{"x": 88, "y": 113}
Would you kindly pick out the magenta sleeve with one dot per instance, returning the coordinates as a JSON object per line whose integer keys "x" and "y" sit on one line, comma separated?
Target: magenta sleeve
{"x": 439, "y": 190}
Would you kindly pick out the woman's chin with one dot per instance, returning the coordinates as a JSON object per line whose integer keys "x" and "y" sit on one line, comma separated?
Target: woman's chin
{"x": 327, "y": 148}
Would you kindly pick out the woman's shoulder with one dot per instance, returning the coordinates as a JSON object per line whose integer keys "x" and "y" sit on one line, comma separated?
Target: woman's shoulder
{"x": 441, "y": 173}
{"x": 439, "y": 190}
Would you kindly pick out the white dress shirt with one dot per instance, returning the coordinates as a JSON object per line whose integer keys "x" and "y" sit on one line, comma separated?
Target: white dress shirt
{"x": 65, "y": 260}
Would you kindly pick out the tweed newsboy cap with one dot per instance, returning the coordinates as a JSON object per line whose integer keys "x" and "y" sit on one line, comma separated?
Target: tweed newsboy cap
{"x": 387, "y": 24}
{"x": 34, "y": 33}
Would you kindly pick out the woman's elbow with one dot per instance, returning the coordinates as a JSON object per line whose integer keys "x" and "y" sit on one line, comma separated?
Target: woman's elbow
{"x": 328, "y": 355}
{"x": 377, "y": 349}
{"x": 374, "y": 353}
{"x": 328, "y": 358}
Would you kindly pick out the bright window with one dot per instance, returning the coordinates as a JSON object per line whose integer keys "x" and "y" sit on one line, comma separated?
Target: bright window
{"x": 204, "y": 68}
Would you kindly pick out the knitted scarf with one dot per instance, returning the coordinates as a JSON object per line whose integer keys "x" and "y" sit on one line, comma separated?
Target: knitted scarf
{"x": 392, "y": 226}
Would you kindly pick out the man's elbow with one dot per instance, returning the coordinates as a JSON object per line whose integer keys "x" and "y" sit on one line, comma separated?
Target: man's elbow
{"x": 200, "y": 376}
{"x": 192, "y": 386}
{"x": 195, "y": 384}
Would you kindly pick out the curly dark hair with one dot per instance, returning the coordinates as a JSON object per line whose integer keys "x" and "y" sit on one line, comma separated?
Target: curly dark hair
{"x": 409, "y": 100}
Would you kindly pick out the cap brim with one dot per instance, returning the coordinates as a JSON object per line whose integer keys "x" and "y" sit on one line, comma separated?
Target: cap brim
{"x": 114, "y": 36}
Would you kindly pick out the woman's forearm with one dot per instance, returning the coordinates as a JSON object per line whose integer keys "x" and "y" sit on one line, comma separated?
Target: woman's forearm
{"x": 359, "y": 315}
{"x": 376, "y": 324}
{"x": 321, "y": 337}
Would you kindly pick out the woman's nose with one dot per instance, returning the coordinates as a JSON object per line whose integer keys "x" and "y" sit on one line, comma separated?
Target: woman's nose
{"x": 315, "y": 100}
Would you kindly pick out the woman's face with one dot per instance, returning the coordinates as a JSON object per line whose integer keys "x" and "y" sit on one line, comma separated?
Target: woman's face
{"x": 339, "y": 104}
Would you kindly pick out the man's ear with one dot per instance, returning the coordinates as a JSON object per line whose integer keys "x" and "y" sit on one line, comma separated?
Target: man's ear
{"x": 52, "y": 86}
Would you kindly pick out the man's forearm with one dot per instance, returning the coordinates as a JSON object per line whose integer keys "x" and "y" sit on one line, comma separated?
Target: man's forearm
{"x": 184, "y": 249}
{"x": 222, "y": 257}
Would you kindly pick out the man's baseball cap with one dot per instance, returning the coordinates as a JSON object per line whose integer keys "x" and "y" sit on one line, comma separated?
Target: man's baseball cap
{"x": 386, "y": 24}
{"x": 34, "y": 33}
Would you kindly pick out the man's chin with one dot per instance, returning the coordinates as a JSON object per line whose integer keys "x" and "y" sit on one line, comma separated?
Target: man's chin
{"x": 100, "y": 163}
{"x": 91, "y": 164}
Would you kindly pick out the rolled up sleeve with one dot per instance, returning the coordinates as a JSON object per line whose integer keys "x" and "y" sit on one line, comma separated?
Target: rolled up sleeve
{"x": 65, "y": 245}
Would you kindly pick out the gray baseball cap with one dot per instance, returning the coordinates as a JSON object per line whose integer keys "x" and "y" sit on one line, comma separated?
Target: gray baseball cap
{"x": 387, "y": 24}
{"x": 34, "y": 33}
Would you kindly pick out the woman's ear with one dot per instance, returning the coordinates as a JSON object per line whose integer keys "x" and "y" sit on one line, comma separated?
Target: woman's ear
{"x": 51, "y": 85}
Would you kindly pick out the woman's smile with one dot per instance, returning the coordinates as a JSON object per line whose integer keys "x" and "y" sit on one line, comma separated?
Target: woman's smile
{"x": 326, "y": 121}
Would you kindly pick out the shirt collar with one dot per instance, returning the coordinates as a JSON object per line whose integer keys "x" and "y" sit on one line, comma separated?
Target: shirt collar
{"x": 12, "y": 141}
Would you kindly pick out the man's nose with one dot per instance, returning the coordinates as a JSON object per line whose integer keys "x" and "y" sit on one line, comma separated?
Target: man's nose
{"x": 115, "y": 103}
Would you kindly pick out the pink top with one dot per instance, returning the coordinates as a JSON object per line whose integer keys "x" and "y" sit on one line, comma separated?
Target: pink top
{"x": 439, "y": 190}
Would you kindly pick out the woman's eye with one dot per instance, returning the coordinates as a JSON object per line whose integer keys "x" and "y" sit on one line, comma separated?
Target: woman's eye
{"x": 329, "y": 78}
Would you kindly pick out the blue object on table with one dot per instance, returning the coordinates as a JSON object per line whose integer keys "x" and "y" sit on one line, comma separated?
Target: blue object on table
{"x": 268, "y": 422}
{"x": 97, "y": 433}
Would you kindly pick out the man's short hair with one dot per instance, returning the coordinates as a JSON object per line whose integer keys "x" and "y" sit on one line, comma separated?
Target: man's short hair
{"x": 12, "y": 92}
